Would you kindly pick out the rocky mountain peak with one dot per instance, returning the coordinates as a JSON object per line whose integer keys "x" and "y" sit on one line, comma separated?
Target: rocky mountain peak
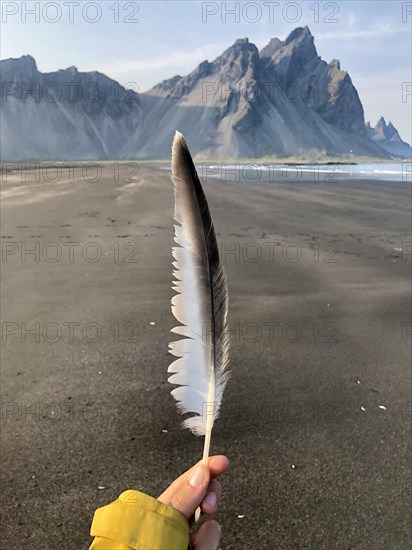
{"x": 385, "y": 131}
{"x": 300, "y": 34}
{"x": 15, "y": 69}
{"x": 241, "y": 55}
{"x": 381, "y": 123}
{"x": 241, "y": 41}
{"x": 73, "y": 70}
{"x": 26, "y": 61}
{"x": 273, "y": 45}
{"x": 391, "y": 127}
{"x": 387, "y": 136}
{"x": 335, "y": 64}
{"x": 324, "y": 87}
{"x": 293, "y": 58}
{"x": 238, "y": 61}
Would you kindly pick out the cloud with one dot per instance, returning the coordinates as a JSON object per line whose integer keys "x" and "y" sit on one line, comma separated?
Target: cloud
{"x": 178, "y": 59}
{"x": 377, "y": 30}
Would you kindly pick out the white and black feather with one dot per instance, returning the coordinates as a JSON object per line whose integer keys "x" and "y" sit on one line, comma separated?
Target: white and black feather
{"x": 201, "y": 302}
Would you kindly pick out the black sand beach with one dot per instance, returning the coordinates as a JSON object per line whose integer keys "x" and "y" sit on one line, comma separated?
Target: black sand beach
{"x": 316, "y": 418}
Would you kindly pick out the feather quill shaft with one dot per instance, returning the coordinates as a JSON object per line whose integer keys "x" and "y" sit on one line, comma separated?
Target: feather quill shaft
{"x": 200, "y": 305}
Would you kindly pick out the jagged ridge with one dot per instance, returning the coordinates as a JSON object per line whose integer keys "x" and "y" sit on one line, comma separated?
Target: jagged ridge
{"x": 387, "y": 136}
{"x": 283, "y": 100}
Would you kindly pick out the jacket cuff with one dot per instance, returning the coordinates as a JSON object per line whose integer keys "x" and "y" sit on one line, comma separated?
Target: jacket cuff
{"x": 142, "y": 523}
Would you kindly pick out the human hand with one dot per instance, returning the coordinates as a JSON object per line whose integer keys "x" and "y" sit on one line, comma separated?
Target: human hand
{"x": 199, "y": 487}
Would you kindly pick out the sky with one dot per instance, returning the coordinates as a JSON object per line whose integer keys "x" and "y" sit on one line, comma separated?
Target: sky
{"x": 141, "y": 43}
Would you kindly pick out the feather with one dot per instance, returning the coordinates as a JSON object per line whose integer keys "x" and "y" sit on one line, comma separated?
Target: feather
{"x": 200, "y": 305}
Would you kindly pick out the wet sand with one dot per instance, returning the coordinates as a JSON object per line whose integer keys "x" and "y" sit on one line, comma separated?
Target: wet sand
{"x": 316, "y": 418}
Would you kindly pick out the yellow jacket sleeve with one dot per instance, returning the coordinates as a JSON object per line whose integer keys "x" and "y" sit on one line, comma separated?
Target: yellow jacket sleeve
{"x": 139, "y": 522}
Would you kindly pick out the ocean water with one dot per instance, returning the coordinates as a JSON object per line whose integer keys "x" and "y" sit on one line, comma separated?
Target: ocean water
{"x": 317, "y": 173}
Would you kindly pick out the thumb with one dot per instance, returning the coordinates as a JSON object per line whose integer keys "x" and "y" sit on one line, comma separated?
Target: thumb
{"x": 207, "y": 537}
{"x": 189, "y": 496}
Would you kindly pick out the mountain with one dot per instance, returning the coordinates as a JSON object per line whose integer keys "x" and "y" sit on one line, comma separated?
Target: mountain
{"x": 283, "y": 100}
{"x": 325, "y": 88}
{"x": 387, "y": 136}
{"x": 63, "y": 115}
{"x": 248, "y": 103}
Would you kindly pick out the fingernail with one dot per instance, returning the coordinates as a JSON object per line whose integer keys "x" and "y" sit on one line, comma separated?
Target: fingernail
{"x": 211, "y": 499}
{"x": 196, "y": 477}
